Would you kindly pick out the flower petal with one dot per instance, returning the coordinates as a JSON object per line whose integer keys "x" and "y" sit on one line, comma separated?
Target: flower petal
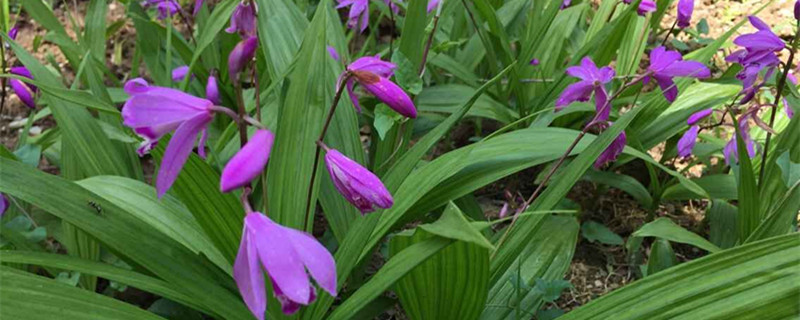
{"x": 668, "y": 87}
{"x": 686, "y": 69}
{"x": 687, "y": 141}
{"x": 387, "y": 92}
{"x": 24, "y": 92}
{"x": 699, "y": 115}
{"x": 178, "y": 150}
{"x": 248, "y": 163}
{"x": 249, "y": 278}
{"x": 316, "y": 258}
{"x": 578, "y": 91}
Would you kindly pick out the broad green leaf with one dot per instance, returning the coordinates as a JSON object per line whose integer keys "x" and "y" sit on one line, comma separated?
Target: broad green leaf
{"x": 661, "y": 257}
{"x": 449, "y": 98}
{"x": 27, "y": 296}
{"x": 452, "y": 224}
{"x": 666, "y": 229}
{"x": 745, "y": 282}
{"x": 781, "y": 220}
{"x": 623, "y": 182}
{"x": 718, "y": 186}
{"x": 594, "y": 231}
{"x": 452, "y": 284}
{"x": 722, "y": 224}
{"x": 749, "y": 214}
{"x": 790, "y": 171}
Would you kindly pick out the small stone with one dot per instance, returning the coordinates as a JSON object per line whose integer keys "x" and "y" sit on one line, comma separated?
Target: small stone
{"x": 598, "y": 283}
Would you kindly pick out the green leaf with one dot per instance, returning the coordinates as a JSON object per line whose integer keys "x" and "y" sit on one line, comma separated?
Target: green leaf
{"x": 26, "y": 296}
{"x": 718, "y": 186}
{"x": 744, "y": 282}
{"x": 666, "y": 229}
{"x": 29, "y": 154}
{"x": 452, "y": 284}
{"x": 722, "y": 224}
{"x": 623, "y": 182}
{"x": 413, "y": 35}
{"x": 551, "y": 289}
{"x": 790, "y": 171}
{"x": 594, "y": 231}
{"x": 661, "y": 257}
{"x": 407, "y": 73}
{"x": 702, "y": 26}
{"x": 781, "y": 220}
{"x": 452, "y": 224}
{"x": 385, "y": 118}
{"x": 749, "y": 214}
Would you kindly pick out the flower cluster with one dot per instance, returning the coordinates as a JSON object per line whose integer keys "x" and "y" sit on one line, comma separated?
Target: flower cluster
{"x": 759, "y": 54}
{"x": 358, "y": 17}
{"x": 165, "y": 8}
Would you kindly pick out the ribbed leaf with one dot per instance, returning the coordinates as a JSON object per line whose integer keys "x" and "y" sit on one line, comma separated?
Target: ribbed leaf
{"x": 25, "y": 296}
{"x": 747, "y": 282}
{"x": 666, "y": 229}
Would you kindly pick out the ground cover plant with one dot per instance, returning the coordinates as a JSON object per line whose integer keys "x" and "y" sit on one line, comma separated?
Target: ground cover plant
{"x": 355, "y": 159}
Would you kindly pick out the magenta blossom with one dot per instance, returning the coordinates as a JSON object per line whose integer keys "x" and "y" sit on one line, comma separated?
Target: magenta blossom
{"x": 153, "y": 112}
{"x": 332, "y": 52}
{"x": 179, "y": 73}
{"x": 432, "y": 5}
{"x": 685, "y": 8}
{"x": 645, "y": 7}
{"x": 197, "y": 5}
{"x": 248, "y": 163}
{"x": 357, "y": 184}
{"x": 759, "y": 54}
{"x": 666, "y": 64}
{"x": 3, "y": 204}
{"x": 25, "y": 92}
{"x": 244, "y": 51}
{"x": 13, "y": 33}
{"x": 612, "y": 152}
{"x": 797, "y": 10}
{"x": 688, "y": 140}
{"x": 393, "y": 6}
{"x": 373, "y": 74}
{"x": 212, "y": 91}
{"x": 166, "y": 8}
{"x": 288, "y": 256}
{"x": 565, "y": 4}
{"x": 731, "y": 148}
{"x": 592, "y": 80}
{"x": 243, "y": 20}
{"x": 358, "y": 17}
{"x": 534, "y": 62}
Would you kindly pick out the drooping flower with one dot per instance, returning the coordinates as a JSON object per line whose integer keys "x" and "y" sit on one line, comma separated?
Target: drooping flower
{"x": 244, "y": 51}
{"x": 3, "y": 204}
{"x": 759, "y": 54}
{"x": 687, "y": 141}
{"x": 612, "y": 152}
{"x": 645, "y": 7}
{"x": 179, "y": 73}
{"x": 592, "y": 80}
{"x": 212, "y": 91}
{"x": 358, "y": 18}
{"x": 243, "y": 20}
{"x": 248, "y": 163}
{"x": 165, "y": 8}
{"x": 153, "y": 111}
{"x": 685, "y": 8}
{"x": 24, "y": 91}
{"x": 699, "y": 115}
{"x": 357, "y": 184}
{"x": 666, "y": 64}
{"x": 373, "y": 74}
{"x": 731, "y": 148}
{"x": 333, "y": 53}
{"x": 288, "y": 256}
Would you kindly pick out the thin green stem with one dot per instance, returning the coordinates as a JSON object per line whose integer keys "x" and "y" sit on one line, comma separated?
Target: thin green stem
{"x": 168, "y": 25}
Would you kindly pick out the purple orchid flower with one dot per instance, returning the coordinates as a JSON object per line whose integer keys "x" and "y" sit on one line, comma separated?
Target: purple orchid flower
{"x": 373, "y": 74}
{"x": 212, "y": 91}
{"x": 288, "y": 256}
{"x": 611, "y": 153}
{"x": 666, "y": 64}
{"x": 685, "y": 8}
{"x": 534, "y": 62}
{"x": 334, "y": 54}
{"x": 797, "y": 10}
{"x": 758, "y": 55}
{"x": 731, "y": 148}
{"x": 393, "y": 6}
{"x": 687, "y": 141}
{"x": 786, "y": 107}
{"x": 592, "y": 80}
{"x": 197, "y": 5}
{"x": 243, "y": 20}
{"x": 565, "y": 4}
{"x": 244, "y": 51}
{"x": 645, "y": 7}
{"x": 432, "y": 5}
{"x": 357, "y": 184}
{"x": 13, "y": 33}
{"x": 3, "y": 204}
{"x": 179, "y": 73}
{"x": 153, "y": 111}
{"x": 25, "y": 92}
{"x": 248, "y": 163}
{"x": 165, "y": 8}
{"x": 358, "y": 17}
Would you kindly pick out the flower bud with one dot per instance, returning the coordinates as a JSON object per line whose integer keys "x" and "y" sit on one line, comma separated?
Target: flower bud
{"x": 212, "y": 91}
{"x": 248, "y": 163}
{"x": 357, "y": 184}
{"x": 241, "y": 55}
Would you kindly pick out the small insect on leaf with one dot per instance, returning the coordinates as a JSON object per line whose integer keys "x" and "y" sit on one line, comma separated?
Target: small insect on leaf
{"x": 96, "y": 207}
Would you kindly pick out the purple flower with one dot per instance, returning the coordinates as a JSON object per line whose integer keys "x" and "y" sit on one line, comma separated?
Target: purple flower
{"x": 610, "y": 154}
{"x": 731, "y": 148}
{"x": 334, "y": 54}
{"x": 797, "y": 10}
{"x": 179, "y": 73}
{"x": 243, "y": 20}
{"x": 666, "y": 64}
{"x": 153, "y": 112}
{"x": 645, "y": 7}
{"x": 534, "y": 62}
{"x": 687, "y": 141}
{"x": 13, "y": 33}
{"x": 357, "y": 184}
{"x": 592, "y": 80}
{"x": 786, "y": 107}
{"x": 758, "y": 54}
{"x": 197, "y": 5}
{"x": 166, "y": 8}
{"x": 3, "y": 204}
{"x": 212, "y": 91}
{"x": 288, "y": 256}
{"x": 432, "y": 5}
{"x": 393, "y": 6}
{"x": 685, "y": 8}
{"x": 699, "y": 115}
{"x": 240, "y": 56}
{"x": 248, "y": 163}
{"x": 373, "y": 74}
{"x": 359, "y": 13}
{"x": 24, "y": 91}
{"x": 566, "y": 3}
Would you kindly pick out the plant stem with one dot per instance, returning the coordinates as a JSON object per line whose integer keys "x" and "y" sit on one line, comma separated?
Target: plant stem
{"x": 335, "y": 103}
{"x": 242, "y": 113}
{"x": 563, "y": 158}
{"x": 168, "y": 25}
{"x": 428, "y": 44}
{"x": 391, "y": 34}
{"x": 781, "y": 85}
{"x": 669, "y": 32}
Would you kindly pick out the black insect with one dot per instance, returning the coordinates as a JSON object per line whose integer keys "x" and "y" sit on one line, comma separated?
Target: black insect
{"x": 96, "y": 207}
